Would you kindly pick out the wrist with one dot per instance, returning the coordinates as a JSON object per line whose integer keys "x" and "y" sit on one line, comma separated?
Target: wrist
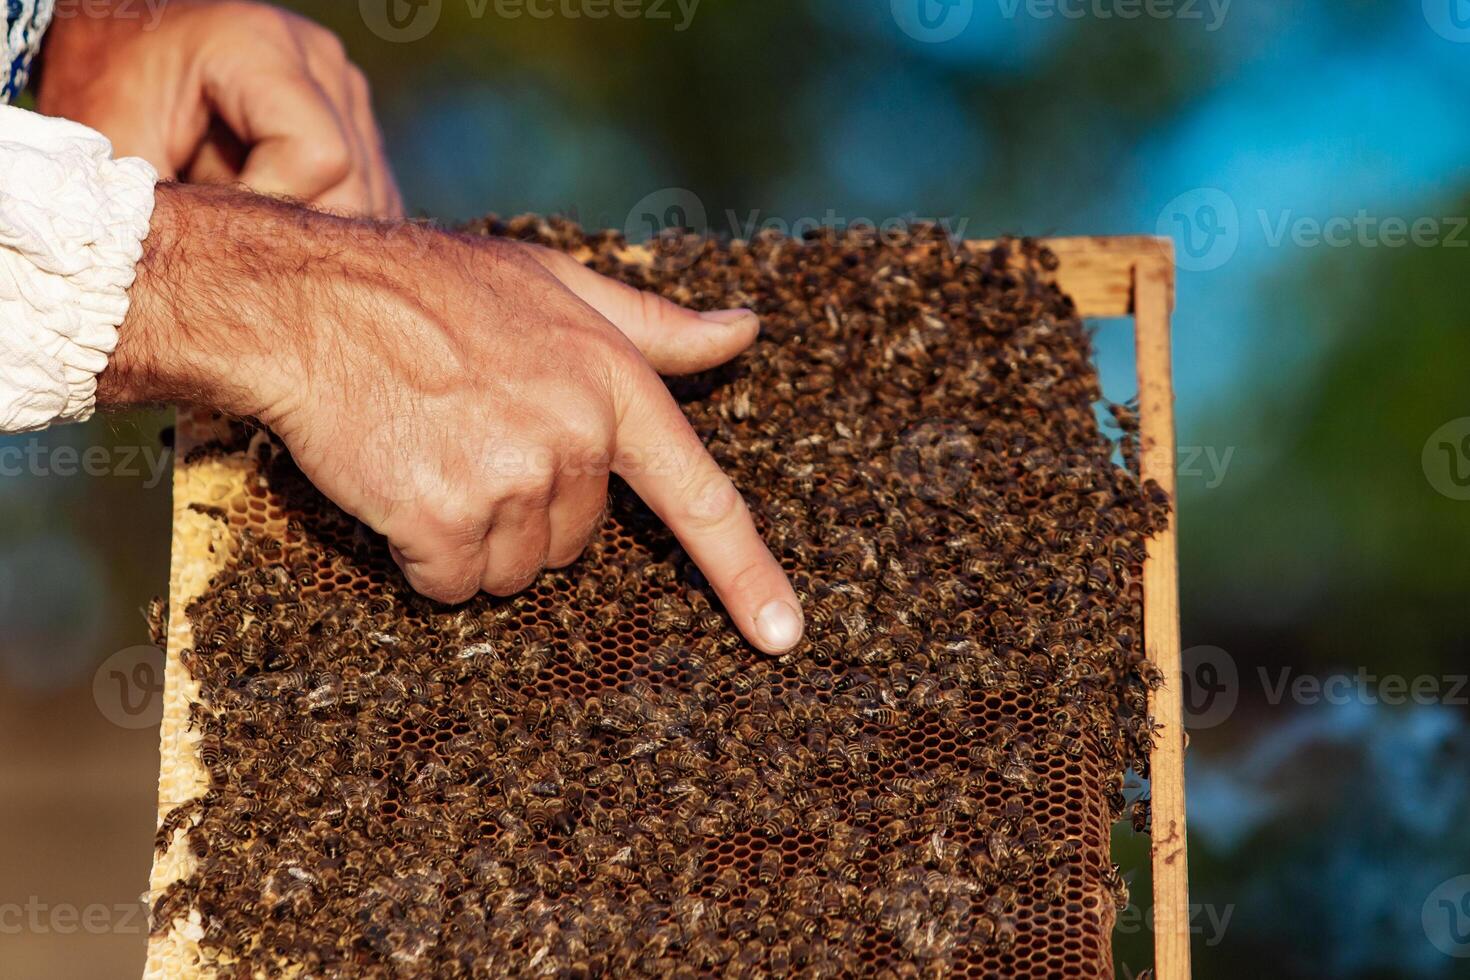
{"x": 215, "y": 315}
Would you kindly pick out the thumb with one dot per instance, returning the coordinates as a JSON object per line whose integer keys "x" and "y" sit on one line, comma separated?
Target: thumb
{"x": 297, "y": 146}
{"x": 672, "y": 338}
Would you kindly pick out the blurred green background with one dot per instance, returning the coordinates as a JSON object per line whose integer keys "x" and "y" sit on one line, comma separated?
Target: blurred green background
{"x": 1311, "y": 159}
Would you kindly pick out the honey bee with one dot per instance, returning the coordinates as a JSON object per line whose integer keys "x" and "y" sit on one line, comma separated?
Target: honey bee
{"x": 1054, "y": 887}
{"x": 1139, "y": 814}
{"x": 768, "y": 867}
{"x": 670, "y": 615}
{"x": 884, "y": 717}
{"x": 1020, "y": 773}
{"x": 614, "y": 871}
{"x": 1005, "y": 933}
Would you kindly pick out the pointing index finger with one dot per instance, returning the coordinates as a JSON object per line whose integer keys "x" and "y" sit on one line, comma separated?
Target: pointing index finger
{"x": 705, "y": 511}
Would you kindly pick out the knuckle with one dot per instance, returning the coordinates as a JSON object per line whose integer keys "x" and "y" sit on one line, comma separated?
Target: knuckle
{"x": 712, "y": 502}
{"x": 536, "y": 494}
{"x": 449, "y": 594}
{"x": 454, "y": 523}
{"x": 750, "y": 580}
{"x": 268, "y": 23}
{"x": 609, "y": 366}
{"x": 655, "y": 310}
{"x": 586, "y": 437}
{"x": 568, "y": 555}
{"x": 626, "y": 367}
{"x": 326, "y": 161}
{"x": 574, "y": 539}
{"x": 624, "y": 354}
{"x": 511, "y": 582}
{"x": 527, "y": 480}
{"x": 447, "y": 584}
{"x": 325, "y": 43}
{"x": 256, "y": 16}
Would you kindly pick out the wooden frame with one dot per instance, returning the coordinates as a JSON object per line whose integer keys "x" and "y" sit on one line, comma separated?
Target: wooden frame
{"x": 1106, "y": 277}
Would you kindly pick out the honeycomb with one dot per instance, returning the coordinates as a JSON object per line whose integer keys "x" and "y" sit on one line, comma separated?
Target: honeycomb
{"x": 599, "y": 777}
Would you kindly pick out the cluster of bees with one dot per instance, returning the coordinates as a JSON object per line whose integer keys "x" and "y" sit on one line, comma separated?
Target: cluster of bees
{"x": 599, "y": 777}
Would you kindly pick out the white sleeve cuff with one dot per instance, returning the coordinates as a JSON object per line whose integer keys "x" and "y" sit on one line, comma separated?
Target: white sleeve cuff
{"x": 72, "y": 224}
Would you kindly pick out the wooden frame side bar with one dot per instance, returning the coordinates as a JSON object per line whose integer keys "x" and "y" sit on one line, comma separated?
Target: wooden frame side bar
{"x": 1153, "y": 301}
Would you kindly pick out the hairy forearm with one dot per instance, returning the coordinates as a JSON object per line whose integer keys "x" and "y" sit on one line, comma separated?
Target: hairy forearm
{"x": 205, "y": 309}
{"x": 237, "y": 297}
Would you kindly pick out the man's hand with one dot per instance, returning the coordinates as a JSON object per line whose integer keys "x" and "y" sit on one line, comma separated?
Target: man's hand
{"x": 181, "y": 91}
{"x": 467, "y": 398}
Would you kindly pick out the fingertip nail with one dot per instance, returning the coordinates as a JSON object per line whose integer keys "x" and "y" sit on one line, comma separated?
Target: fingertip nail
{"x": 726, "y": 317}
{"x": 779, "y": 624}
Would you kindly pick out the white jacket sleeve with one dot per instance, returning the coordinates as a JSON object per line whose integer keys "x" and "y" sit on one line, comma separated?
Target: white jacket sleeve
{"x": 72, "y": 224}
